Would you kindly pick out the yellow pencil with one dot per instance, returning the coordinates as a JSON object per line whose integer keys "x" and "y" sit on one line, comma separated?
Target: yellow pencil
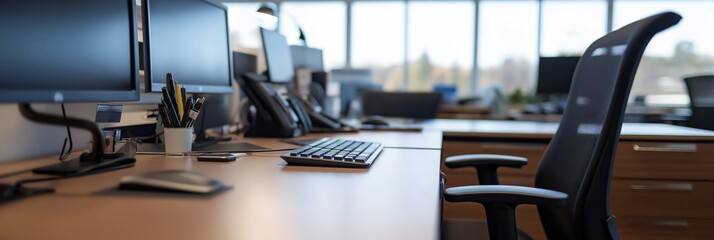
{"x": 179, "y": 100}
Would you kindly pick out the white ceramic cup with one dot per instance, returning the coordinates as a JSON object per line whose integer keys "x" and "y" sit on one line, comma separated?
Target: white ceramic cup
{"x": 178, "y": 141}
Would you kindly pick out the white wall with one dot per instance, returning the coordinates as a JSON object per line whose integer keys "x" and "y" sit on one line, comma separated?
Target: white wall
{"x": 22, "y": 139}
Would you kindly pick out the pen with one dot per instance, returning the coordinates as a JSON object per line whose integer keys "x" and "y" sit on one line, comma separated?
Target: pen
{"x": 171, "y": 112}
{"x": 162, "y": 115}
{"x": 183, "y": 94}
{"x": 172, "y": 91}
{"x": 189, "y": 106}
{"x": 179, "y": 100}
{"x": 195, "y": 110}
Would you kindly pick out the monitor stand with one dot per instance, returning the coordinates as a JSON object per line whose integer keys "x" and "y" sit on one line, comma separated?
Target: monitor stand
{"x": 93, "y": 162}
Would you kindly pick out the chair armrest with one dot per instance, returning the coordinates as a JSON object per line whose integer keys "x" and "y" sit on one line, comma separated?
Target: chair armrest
{"x": 486, "y": 165}
{"x": 500, "y": 202}
{"x": 511, "y": 195}
{"x": 476, "y": 160}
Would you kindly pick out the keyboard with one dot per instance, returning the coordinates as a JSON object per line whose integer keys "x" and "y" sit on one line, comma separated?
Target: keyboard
{"x": 334, "y": 152}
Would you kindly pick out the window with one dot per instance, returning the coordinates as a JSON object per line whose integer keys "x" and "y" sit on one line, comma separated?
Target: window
{"x": 569, "y": 27}
{"x": 243, "y": 25}
{"x": 440, "y": 45}
{"x": 435, "y": 39}
{"x": 684, "y": 50}
{"x": 324, "y": 24}
{"x": 507, "y": 51}
{"x": 378, "y": 42}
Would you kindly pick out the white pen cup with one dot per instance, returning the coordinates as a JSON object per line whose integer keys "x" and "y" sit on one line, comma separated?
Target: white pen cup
{"x": 177, "y": 141}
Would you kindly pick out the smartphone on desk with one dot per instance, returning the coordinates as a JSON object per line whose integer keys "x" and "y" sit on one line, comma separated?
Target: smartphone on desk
{"x": 219, "y": 157}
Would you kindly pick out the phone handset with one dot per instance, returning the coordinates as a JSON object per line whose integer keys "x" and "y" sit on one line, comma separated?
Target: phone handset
{"x": 300, "y": 111}
{"x": 284, "y": 107}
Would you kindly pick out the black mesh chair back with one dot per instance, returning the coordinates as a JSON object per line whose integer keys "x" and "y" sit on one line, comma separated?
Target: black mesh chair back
{"x": 701, "y": 100}
{"x": 580, "y": 156}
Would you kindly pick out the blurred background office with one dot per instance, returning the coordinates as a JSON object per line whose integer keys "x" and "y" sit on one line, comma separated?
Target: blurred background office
{"x": 481, "y": 45}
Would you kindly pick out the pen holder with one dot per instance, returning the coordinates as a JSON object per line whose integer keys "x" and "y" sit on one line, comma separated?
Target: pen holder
{"x": 177, "y": 141}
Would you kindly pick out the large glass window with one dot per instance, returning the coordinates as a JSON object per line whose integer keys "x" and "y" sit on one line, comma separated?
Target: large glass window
{"x": 440, "y": 45}
{"x": 324, "y": 24}
{"x": 378, "y": 42}
{"x": 507, "y": 51}
{"x": 436, "y": 39}
{"x": 569, "y": 27}
{"x": 243, "y": 25}
{"x": 684, "y": 50}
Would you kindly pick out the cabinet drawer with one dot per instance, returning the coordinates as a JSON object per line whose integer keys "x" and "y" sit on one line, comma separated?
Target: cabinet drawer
{"x": 667, "y": 199}
{"x": 665, "y": 160}
{"x": 454, "y": 179}
{"x": 532, "y": 151}
{"x": 636, "y": 228}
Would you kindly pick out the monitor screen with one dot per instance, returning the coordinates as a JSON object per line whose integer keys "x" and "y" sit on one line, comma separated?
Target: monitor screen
{"x": 244, "y": 63}
{"x": 555, "y": 74}
{"x": 307, "y": 58}
{"x": 189, "y": 39}
{"x": 59, "y": 51}
{"x": 277, "y": 57}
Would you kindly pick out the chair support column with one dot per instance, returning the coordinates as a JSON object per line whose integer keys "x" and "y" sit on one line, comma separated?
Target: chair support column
{"x": 487, "y": 175}
{"x": 501, "y": 219}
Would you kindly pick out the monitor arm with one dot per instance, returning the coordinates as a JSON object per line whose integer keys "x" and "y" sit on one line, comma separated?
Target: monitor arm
{"x": 97, "y": 135}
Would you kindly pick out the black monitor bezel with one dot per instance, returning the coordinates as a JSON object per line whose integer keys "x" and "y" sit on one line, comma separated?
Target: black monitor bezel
{"x": 64, "y": 96}
{"x": 268, "y": 57}
{"x": 150, "y": 86}
{"x": 541, "y": 88}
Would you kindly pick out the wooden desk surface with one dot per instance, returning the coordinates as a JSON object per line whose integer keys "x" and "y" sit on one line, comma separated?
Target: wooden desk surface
{"x": 522, "y": 129}
{"x": 396, "y": 198}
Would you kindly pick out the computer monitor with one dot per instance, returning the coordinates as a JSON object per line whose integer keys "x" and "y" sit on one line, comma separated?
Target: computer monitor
{"x": 353, "y": 82}
{"x": 307, "y": 58}
{"x": 555, "y": 75}
{"x": 53, "y": 51}
{"x": 277, "y": 57}
{"x": 83, "y": 51}
{"x": 188, "y": 38}
{"x": 244, "y": 63}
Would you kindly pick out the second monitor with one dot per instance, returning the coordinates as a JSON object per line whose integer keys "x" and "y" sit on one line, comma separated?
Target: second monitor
{"x": 188, "y": 38}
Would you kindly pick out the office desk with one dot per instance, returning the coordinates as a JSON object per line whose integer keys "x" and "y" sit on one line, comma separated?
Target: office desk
{"x": 396, "y": 198}
{"x": 663, "y": 178}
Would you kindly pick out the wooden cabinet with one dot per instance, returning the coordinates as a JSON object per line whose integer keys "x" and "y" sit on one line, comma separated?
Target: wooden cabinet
{"x": 660, "y": 189}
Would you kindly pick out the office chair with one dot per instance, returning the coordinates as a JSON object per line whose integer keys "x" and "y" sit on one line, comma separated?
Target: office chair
{"x": 419, "y": 105}
{"x": 572, "y": 182}
{"x": 701, "y": 100}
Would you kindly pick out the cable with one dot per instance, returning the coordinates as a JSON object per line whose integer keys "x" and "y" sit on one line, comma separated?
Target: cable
{"x": 142, "y": 138}
{"x": 64, "y": 155}
{"x": 15, "y": 173}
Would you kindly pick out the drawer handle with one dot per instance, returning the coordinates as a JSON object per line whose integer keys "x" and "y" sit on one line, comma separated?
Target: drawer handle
{"x": 661, "y": 223}
{"x": 514, "y": 146}
{"x": 688, "y": 187}
{"x": 666, "y": 147}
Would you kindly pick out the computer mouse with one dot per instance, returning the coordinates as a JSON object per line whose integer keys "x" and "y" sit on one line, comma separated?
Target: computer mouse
{"x": 7, "y": 191}
{"x": 375, "y": 120}
{"x": 172, "y": 181}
